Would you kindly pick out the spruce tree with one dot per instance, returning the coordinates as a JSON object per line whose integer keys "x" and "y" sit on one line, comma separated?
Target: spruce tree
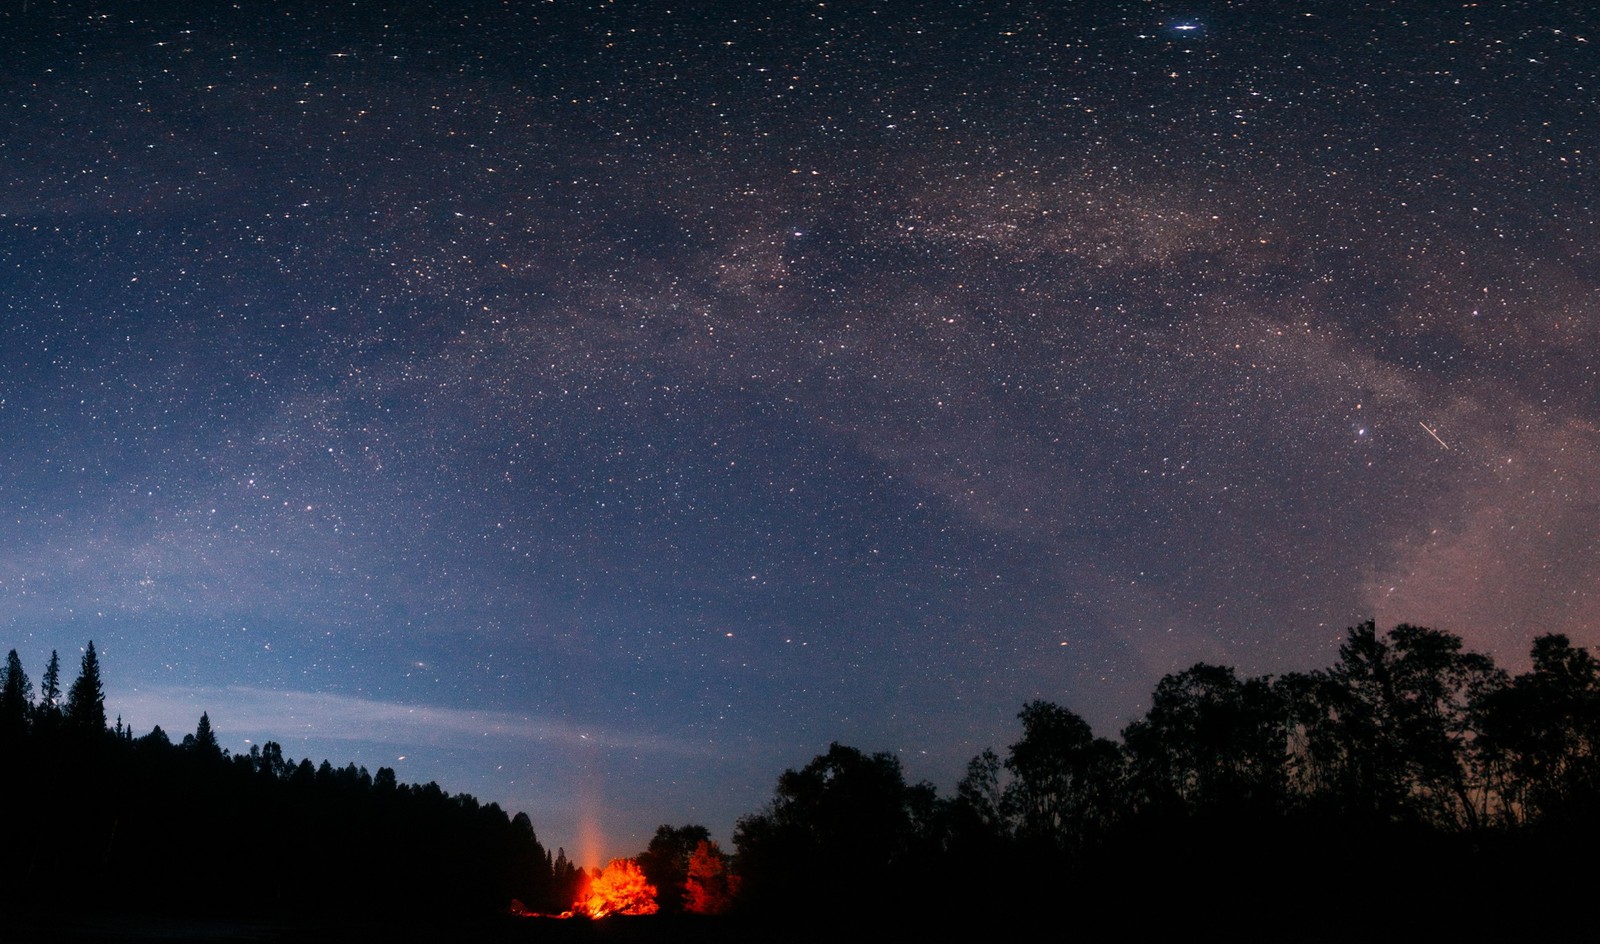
{"x": 16, "y": 697}
{"x": 205, "y": 740}
{"x": 86, "y": 700}
{"x": 50, "y": 689}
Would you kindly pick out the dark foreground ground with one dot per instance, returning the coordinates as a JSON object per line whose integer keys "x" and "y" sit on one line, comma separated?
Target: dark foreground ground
{"x": 1509, "y": 920}
{"x": 392, "y": 929}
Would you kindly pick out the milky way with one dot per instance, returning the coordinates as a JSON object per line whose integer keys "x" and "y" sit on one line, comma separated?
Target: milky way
{"x": 599, "y": 408}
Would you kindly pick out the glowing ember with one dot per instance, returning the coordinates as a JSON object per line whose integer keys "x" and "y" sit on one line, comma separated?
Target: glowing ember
{"x": 620, "y": 889}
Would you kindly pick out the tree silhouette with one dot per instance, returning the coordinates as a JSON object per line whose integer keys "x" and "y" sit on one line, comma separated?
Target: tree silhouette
{"x": 845, "y": 820}
{"x": 205, "y": 741}
{"x": 1540, "y": 736}
{"x": 48, "y": 709}
{"x": 1064, "y": 789}
{"x": 1209, "y": 741}
{"x": 976, "y": 834}
{"x": 666, "y": 862}
{"x": 979, "y": 793}
{"x": 1435, "y": 683}
{"x": 86, "y": 700}
{"x": 567, "y": 877}
{"x": 275, "y": 767}
{"x": 1385, "y": 734}
{"x": 115, "y": 823}
{"x": 711, "y": 886}
{"x": 16, "y": 698}
{"x": 1409, "y": 748}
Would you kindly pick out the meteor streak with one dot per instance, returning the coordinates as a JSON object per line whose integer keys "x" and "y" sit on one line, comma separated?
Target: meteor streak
{"x": 1433, "y": 434}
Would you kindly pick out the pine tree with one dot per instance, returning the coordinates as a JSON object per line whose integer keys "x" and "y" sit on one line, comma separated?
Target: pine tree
{"x": 16, "y": 697}
{"x": 86, "y": 700}
{"x": 205, "y": 742}
{"x": 49, "y": 706}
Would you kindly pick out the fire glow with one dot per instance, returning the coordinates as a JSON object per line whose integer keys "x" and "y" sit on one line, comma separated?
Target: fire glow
{"x": 619, "y": 889}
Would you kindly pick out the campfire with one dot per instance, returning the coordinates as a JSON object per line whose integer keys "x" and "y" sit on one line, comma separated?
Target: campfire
{"x": 618, "y": 889}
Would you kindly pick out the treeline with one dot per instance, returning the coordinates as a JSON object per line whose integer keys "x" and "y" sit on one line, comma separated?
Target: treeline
{"x": 1411, "y": 777}
{"x": 1409, "y": 774}
{"x": 98, "y": 819}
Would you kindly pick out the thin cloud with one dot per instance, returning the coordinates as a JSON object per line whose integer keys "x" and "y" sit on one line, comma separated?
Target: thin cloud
{"x": 269, "y": 714}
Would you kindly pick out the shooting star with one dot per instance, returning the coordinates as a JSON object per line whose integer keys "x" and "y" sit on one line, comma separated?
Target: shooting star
{"x": 1433, "y": 434}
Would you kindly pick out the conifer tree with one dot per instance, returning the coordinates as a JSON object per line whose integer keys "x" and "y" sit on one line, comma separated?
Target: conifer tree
{"x": 49, "y": 707}
{"x": 205, "y": 741}
{"x": 86, "y": 700}
{"x": 16, "y": 696}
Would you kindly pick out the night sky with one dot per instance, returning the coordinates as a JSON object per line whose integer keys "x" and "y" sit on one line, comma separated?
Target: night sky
{"x": 600, "y": 407}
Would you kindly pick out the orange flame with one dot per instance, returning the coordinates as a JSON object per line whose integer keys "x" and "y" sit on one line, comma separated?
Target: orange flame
{"x": 620, "y": 889}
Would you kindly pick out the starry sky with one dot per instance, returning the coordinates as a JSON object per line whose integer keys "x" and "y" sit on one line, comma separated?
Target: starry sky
{"x": 599, "y": 407}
